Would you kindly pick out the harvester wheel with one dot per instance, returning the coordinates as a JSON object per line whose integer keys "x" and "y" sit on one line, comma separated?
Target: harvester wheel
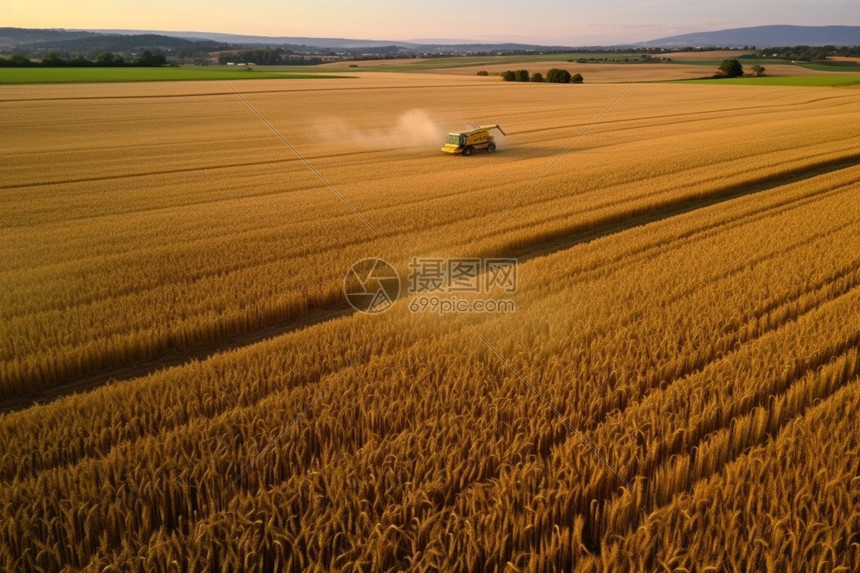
{"x": 491, "y": 148}
{"x": 467, "y": 151}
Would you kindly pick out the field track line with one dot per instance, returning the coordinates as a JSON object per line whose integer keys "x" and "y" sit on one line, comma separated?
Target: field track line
{"x": 565, "y": 238}
{"x": 229, "y": 93}
{"x": 831, "y": 283}
{"x": 549, "y": 166}
{"x": 541, "y": 246}
{"x": 176, "y": 357}
{"x": 144, "y": 174}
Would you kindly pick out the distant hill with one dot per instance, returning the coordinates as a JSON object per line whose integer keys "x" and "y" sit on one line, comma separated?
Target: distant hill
{"x": 238, "y": 39}
{"x": 764, "y": 37}
{"x": 95, "y": 41}
{"x": 13, "y": 37}
{"x": 85, "y": 41}
{"x": 427, "y": 46}
{"x": 41, "y": 41}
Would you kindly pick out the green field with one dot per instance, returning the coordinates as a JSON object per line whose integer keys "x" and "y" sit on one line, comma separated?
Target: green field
{"x": 221, "y": 72}
{"x": 836, "y": 67}
{"x": 451, "y": 62}
{"x": 39, "y": 75}
{"x": 833, "y": 67}
{"x": 130, "y": 74}
{"x": 799, "y": 81}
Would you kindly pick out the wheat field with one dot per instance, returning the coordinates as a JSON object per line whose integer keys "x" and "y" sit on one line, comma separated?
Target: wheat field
{"x": 674, "y": 391}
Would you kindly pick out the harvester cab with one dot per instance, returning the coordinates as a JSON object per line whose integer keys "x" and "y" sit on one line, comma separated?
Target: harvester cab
{"x": 465, "y": 142}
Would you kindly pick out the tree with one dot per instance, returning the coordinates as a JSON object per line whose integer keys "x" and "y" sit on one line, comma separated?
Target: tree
{"x": 731, "y": 69}
{"x": 105, "y": 59}
{"x": 483, "y": 73}
{"x": 53, "y": 60}
{"x": 522, "y": 75}
{"x": 537, "y": 77}
{"x": 758, "y": 70}
{"x": 509, "y": 76}
{"x": 20, "y": 61}
{"x": 147, "y": 58}
{"x": 577, "y": 78}
{"x": 558, "y": 76}
{"x": 80, "y": 62}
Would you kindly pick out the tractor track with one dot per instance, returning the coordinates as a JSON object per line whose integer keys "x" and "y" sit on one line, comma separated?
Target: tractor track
{"x": 230, "y": 94}
{"x": 543, "y": 245}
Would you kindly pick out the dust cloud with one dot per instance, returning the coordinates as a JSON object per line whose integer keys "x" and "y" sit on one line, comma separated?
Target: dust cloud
{"x": 413, "y": 128}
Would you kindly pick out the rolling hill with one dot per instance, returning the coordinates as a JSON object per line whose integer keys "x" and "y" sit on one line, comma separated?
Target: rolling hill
{"x": 764, "y": 37}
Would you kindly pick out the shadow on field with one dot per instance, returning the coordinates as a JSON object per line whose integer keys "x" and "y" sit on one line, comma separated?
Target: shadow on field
{"x": 540, "y": 245}
{"x": 526, "y": 152}
{"x": 175, "y": 357}
{"x": 552, "y": 242}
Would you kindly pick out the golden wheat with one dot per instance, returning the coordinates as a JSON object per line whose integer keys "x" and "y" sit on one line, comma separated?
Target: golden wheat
{"x": 90, "y": 280}
{"x": 710, "y": 358}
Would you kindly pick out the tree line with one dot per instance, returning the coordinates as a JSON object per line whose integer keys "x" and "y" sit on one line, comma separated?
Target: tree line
{"x": 553, "y": 76}
{"x": 808, "y": 53}
{"x": 268, "y": 57}
{"x": 145, "y": 58}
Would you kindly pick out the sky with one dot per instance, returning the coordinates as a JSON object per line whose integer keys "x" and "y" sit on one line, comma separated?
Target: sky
{"x": 547, "y": 22}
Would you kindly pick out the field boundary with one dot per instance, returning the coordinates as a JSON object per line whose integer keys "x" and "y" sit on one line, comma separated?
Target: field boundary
{"x": 109, "y": 75}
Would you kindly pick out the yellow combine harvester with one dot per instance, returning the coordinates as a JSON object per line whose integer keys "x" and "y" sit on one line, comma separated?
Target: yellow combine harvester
{"x": 466, "y": 142}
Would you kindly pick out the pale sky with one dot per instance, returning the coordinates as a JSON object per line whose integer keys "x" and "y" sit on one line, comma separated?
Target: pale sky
{"x": 533, "y": 21}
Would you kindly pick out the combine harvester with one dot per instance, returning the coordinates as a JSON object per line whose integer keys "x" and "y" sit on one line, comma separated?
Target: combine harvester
{"x": 465, "y": 142}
